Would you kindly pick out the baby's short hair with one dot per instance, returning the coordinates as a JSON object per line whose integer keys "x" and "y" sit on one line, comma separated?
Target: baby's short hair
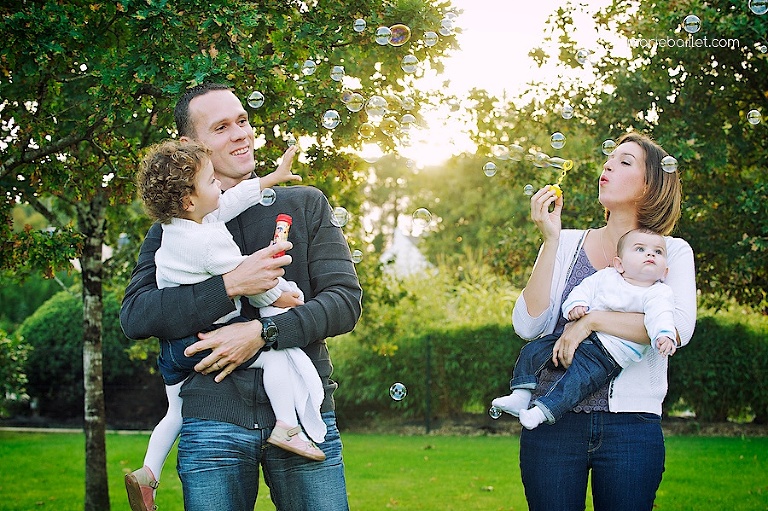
{"x": 640, "y": 230}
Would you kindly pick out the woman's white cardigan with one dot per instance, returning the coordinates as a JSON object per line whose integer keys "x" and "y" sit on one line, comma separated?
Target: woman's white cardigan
{"x": 641, "y": 386}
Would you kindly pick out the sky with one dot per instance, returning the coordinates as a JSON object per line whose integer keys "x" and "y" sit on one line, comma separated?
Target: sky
{"x": 495, "y": 40}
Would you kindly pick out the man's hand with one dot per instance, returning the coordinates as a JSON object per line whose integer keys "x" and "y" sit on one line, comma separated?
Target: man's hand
{"x": 232, "y": 345}
{"x": 259, "y": 271}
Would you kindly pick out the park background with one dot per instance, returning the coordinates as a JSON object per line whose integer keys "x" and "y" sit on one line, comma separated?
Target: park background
{"x": 87, "y": 86}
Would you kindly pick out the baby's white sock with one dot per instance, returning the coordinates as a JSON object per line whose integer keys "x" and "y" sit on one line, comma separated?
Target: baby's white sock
{"x": 532, "y": 418}
{"x": 514, "y": 402}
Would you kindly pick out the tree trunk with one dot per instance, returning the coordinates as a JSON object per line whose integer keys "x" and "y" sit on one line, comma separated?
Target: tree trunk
{"x": 91, "y": 217}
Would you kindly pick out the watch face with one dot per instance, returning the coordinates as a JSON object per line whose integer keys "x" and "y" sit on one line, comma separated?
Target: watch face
{"x": 269, "y": 331}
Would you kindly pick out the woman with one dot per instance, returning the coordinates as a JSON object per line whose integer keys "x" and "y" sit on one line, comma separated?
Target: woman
{"x": 616, "y": 433}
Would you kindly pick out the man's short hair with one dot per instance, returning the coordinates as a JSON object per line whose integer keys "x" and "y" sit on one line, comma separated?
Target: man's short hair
{"x": 184, "y": 124}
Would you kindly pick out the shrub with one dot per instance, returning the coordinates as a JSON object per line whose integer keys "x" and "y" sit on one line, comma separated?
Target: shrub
{"x": 55, "y": 365}
{"x": 721, "y": 373}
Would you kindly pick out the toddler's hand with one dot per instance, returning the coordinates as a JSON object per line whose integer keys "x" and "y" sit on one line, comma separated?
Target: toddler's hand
{"x": 666, "y": 346}
{"x": 577, "y": 312}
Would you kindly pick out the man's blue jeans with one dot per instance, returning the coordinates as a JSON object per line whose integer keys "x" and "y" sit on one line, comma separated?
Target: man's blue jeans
{"x": 219, "y": 469}
{"x": 623, "y": 451}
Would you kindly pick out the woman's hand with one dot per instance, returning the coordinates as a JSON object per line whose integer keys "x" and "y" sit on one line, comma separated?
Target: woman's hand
{"x": 547, "y": 221}
{"x": 231, "y": 345}
{"x": 565, "y": 346}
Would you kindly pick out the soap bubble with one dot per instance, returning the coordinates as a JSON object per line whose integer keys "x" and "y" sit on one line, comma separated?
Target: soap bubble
{"x": 557, "y": 140}
{"x": 762, "y": 48}
{"x": 669, "y": 164}
{"x": 489, "y": 169}
{"x": 340, "y": 216}
{"x": 422, "y": 218}
{"x": 337, "y": 73}
{"x": 255, "y": 99}
{"x": 409, "y": 63}
{"x": 267, "y": 197}
{"x": 376, "y": 107}
{"x": 331, "y": 119}
{"x": 359, "y": 25}
{"x": 383, "y": 35}
{"x": 407, "y": 120}
{"x": 691, "y": 24}
{"x": 582, "y": 56}
{"x": 430, "y": 38}
{"x": 759, "y": 7}
{"x": 398, "y": 391}
{"x": 308, "y": 67}
{"x": 754, "y": 117}
{"x": 567, "y": 111}
{"x": 371, "y": 153}
{"x": 446, "y": 26}
{"x": 500, "y": 151}
{"x": 408, "y": 103}
{"x": 357, "y": 256}
{"x": 355, "y": 102}
{"x": 528, "y": 189}
{"x": 290, "y": 140}
{"x": 560, "y": 163}
{"x": 366, "y": 130}
{"x": 516, "y": 152}
{"x": 389, "y": 126}
{"x": 608, "y": 147}
{"x": 494, "y": 412}
{"x": 541, "y": 160}
{"x": 400, "y": 34}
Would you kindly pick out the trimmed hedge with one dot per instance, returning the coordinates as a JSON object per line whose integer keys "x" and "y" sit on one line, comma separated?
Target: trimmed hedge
{"x": 720, "y": 374}
{"x": 54, "y": 366}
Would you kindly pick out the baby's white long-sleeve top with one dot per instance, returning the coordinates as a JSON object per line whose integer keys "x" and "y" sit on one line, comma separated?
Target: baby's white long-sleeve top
{"x": 192, "y": 252}
{"x": 607, "y": 290}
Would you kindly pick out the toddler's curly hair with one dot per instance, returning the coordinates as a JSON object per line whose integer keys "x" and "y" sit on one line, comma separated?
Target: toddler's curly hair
{"x": 166, "y": 177}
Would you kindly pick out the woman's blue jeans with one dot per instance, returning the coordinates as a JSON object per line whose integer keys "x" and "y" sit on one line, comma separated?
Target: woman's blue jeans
{"x": 624, "y": 451}
{"x": 219, "y": 469}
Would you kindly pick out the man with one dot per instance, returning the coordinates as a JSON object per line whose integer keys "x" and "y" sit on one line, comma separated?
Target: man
{"x": 227, "y": 417}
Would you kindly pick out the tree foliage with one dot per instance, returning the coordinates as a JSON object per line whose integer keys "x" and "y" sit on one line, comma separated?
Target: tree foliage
{"x": 692, "y": 93}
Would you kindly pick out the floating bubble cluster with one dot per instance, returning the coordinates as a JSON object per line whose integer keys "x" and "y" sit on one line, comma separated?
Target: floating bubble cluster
{"x": 398, "y": 391}
{"x": 255, "y": 99}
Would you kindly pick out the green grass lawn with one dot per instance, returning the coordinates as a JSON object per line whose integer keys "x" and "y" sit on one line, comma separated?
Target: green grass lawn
{"x": 414, "y": 473}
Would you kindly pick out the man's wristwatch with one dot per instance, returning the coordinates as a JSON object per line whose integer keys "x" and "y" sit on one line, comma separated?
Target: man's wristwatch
{"x": 268, "y": 332}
